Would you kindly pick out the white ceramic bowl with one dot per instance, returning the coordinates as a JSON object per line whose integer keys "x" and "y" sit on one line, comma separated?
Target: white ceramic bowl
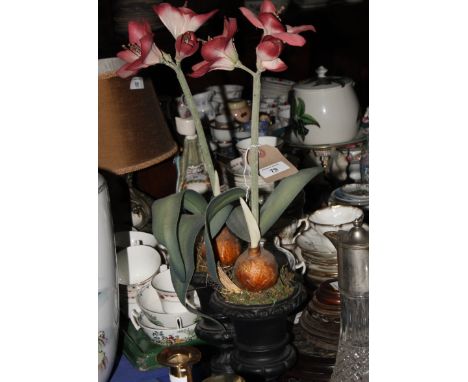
{"x": 150, "y": 304}
{"x": 164, "y": 336}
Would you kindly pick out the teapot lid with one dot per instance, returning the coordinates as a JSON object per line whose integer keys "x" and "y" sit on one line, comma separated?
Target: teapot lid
{"x": 356, "y": 236}
{"x": 322, "y": 81}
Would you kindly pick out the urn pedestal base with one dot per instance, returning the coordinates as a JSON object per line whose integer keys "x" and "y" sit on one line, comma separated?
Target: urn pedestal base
{"x": 261, "y": 339}
{"x": 217, "y": 336}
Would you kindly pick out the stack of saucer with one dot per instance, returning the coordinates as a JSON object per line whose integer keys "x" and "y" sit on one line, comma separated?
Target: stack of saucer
{"x": 319, "y": 255}
{"x": 319, "y": 267}
{"x": 355, "y": 194}
{"x": 320, "y": 321}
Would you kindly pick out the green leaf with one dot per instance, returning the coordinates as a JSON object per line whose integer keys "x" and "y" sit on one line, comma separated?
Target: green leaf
{"x": 300, "y": 106}
{"x": 282, "y": 196}
{"x": 194, "y": 202}
{"x": 219, "y": 220}
{"x": 237, "y": 224}
{"x": 213, "y": 223}
{"x": 188, "y": 229}
{"x": 166, "y": 213}
{"x": 309, "y": 120}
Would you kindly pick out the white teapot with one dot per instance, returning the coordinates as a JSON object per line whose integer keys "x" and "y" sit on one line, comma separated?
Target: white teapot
{"x": 330, "y": 101}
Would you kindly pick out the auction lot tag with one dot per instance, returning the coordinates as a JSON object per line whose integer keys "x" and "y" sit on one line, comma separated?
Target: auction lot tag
{"x": 273, "y": 165}
{"x": 137, "y": 83}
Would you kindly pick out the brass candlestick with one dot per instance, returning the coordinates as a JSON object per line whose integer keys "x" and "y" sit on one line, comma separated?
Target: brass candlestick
{"x": 179, "y": 359}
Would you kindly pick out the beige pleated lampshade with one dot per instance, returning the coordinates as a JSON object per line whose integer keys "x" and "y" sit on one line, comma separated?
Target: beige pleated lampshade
{"x": 133, "y": 133}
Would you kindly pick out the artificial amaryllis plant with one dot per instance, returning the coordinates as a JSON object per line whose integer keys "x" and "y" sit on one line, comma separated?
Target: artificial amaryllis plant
{"x": 179, "y": 218}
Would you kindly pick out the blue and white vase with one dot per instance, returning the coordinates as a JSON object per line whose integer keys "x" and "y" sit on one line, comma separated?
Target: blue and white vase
{"x": 108, "y": 296}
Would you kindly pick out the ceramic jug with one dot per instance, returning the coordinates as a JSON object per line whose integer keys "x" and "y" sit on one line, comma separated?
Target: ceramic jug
{"x": 108, "y": 296}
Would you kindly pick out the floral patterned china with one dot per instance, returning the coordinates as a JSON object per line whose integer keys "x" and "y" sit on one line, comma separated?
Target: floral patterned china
{"x": 150, "y": 304}
{"x": 161, "y": 335}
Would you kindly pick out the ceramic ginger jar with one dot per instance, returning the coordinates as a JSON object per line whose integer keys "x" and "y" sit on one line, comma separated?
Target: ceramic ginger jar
{"x": 108, "y": 296}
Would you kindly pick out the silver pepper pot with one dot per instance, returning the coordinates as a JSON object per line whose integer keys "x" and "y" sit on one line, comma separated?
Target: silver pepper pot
{"x": 353, "y": 259}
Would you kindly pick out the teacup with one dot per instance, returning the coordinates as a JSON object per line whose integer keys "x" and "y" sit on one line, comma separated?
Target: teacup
{"x": 163, "y": 336}
{"x": 244, "y": 144}
{"x": 335, "y": 218}
{"x": 162, "y": 282}
{"x": 136, "y": 267}
{"x": 150, "y": 304}
{"x": 222, "y": 121}
{"x": 126, "y": 239}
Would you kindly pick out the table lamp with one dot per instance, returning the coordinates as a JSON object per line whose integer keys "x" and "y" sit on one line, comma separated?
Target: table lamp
{"x": 133, "y": 133}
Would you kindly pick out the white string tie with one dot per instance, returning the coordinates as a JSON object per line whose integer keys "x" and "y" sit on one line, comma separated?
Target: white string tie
{"x": 247, "y": 187}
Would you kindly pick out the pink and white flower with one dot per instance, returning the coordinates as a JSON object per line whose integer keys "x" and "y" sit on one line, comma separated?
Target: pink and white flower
{"x": 141, "y": 51}
{"x": 268, "y": 20}
{"x": 182, "y": 22}
{"x": 268, "y": 52}
{"x": 179, "y": 20}
{"x": 219, "y": 53}
{"x": 186, "y": 45}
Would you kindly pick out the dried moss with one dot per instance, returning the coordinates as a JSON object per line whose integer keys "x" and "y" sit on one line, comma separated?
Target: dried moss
{"x": 283, "y": 288}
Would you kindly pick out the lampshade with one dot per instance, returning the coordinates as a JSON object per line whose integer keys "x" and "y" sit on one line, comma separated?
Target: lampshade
{"x": 133, "y": 133}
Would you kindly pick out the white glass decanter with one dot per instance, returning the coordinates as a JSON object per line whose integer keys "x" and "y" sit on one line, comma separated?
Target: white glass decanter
{"x": 352, "y": 360}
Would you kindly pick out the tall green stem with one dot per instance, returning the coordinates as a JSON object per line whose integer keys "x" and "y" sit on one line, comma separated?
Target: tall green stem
{"x": 253, "y": 152}
{"x": 205, "y": 151}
